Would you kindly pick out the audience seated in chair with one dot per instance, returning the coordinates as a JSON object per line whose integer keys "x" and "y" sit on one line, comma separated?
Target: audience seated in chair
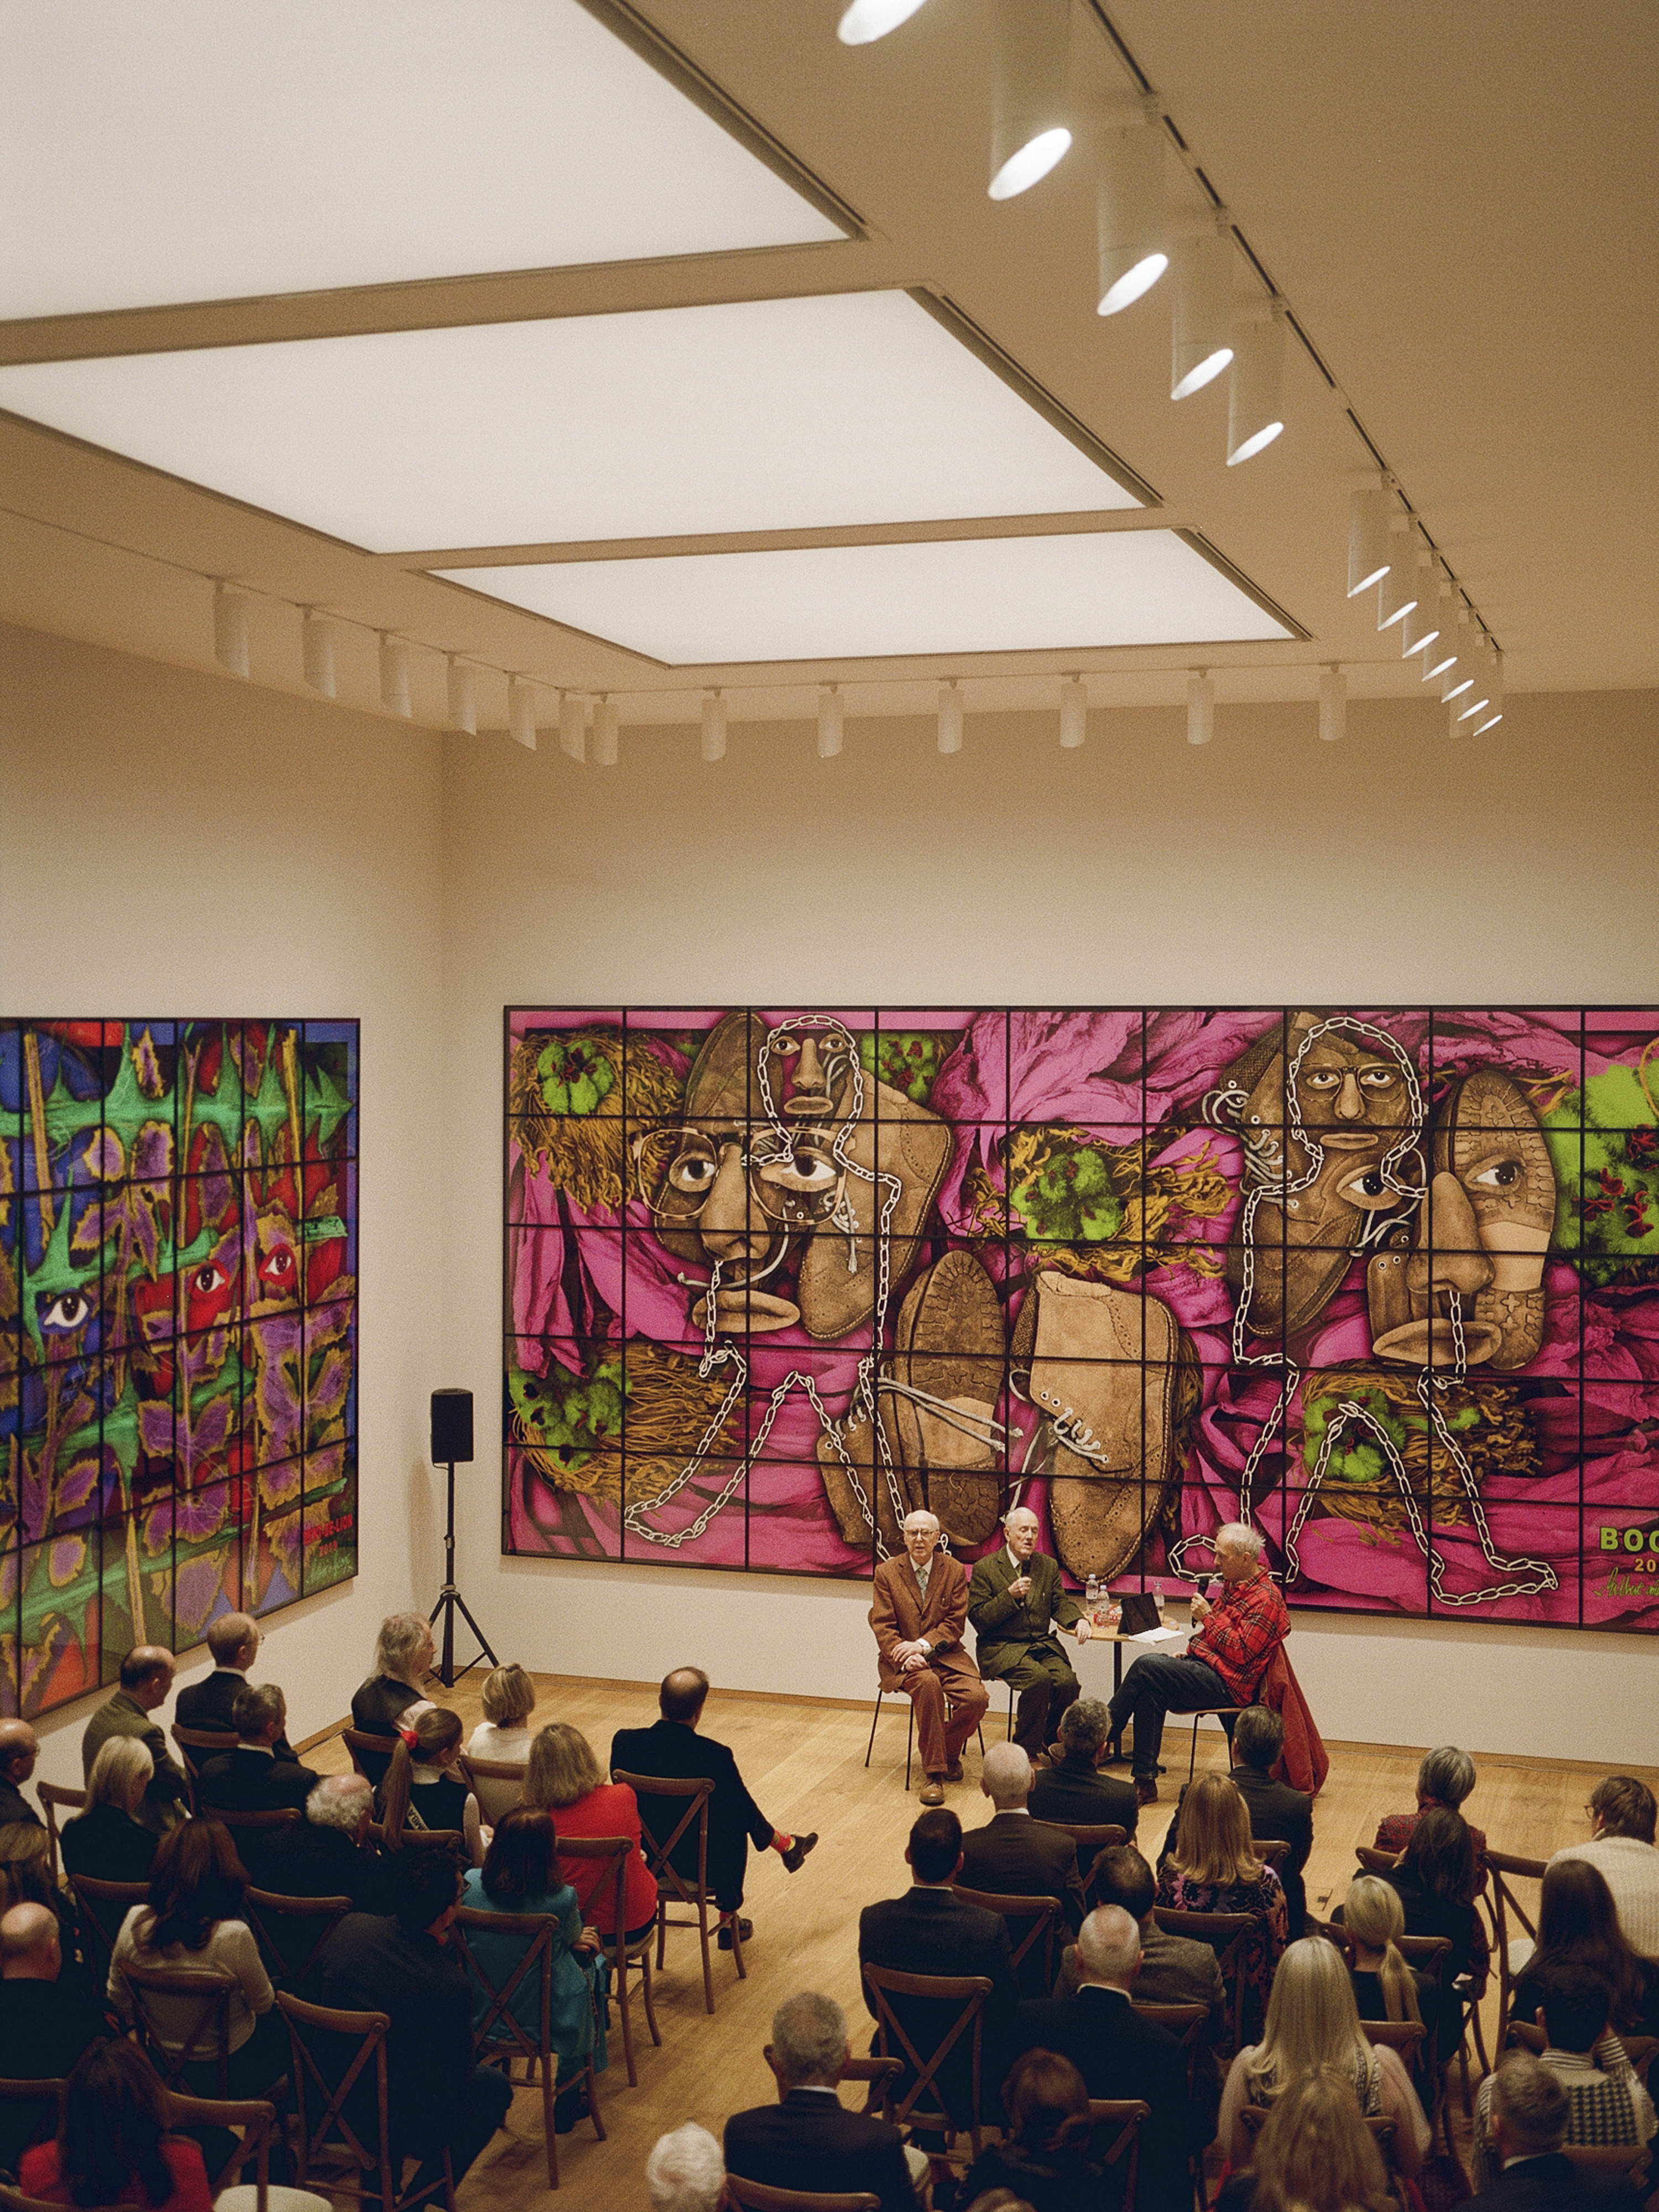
{"x": 194, "y": 1917}
{"x": 329, "y": 1854}
{"x": 1213, "y": 1870}
{"x": 519, "y": 1876}
{"x": 252, "y": 1778}
{"x": 563, "y": 1777}
{"x": 1578, "y": 1925}
{"x": 1013, "y": 1855}
{"x": 1607, "y": 2104}
{"x": 113, "y": 2145}
{"x": 1119, "y": 2053}
{"x": 1435, "y": 1882}
{"x": 405, "y": 1965}
{"x": 19, "y": 1749}
{"x": 1384, "y": 1986}
{"x": 505, "y": 1733}
{"x": 1073, "y": 1789}
{"x": 1445, "y": 1776}
{"x": 808, "y": 2140}
{"x": 26, "y": 1879}
{"x": 1275, "y": 1809}
{"x": 672, "y": 1750}
{"x": 234, "y": 1641}
{"x": 1175, "y": 1970}
{"x": 1621, "y": 1812}
{"x": 1526, "y": 2109}
{"x": 1312, "y": 2021}
{"x": 1315, "y": 2153}
{"x": 424, "y": 1788}
{"x": 403, "y": 1658}
{"x": 1044, "y": 2157}
{"x": 108, "y": 1840}
{"x": 146, "y": 1684}
{"x": 685, "y": 2172}
{"x": 45, "y": 2023}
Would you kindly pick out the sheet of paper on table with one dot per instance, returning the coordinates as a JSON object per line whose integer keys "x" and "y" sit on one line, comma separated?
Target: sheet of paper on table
{"x": 1161, "y": 1636}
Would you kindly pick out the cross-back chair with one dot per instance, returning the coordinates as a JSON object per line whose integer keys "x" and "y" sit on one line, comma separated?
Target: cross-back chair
{"x": 696, "y": 1794}
{"x": 1034, "y": 1952}
{"x": 103, "y": 1905}
{"x": 334, "y": 2054}
{"x": 754, "y": 2197}
{"x": 1227, "y": 1934}
{"x": 292, "y": 1930}
{"x": 1091, "y": 1840}
{"x": 499, "y": 2036}
{"x": 1503, "y": 1908}
{"x": 52, "y": 1794}
{"x": 968, "y": 1993}
{"x": 185, "y": 2006}
{"x": 196, "y": 1747}
{"x": 498, "y": 1783}
{"x": 613, "y": 1852}
{"x": 1127, "y": 2115}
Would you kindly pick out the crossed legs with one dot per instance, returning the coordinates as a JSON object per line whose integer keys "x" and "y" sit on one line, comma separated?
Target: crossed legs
{"x": 1160, "y": 1682}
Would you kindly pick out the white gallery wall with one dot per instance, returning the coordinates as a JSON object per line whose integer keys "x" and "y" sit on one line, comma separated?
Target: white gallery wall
{"x": 180, "y": 842}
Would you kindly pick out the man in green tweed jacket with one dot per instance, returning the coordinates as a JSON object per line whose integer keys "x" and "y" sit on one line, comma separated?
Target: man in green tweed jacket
{"x": 1014, "y": 1602}
{"x": 146, "y": 1685}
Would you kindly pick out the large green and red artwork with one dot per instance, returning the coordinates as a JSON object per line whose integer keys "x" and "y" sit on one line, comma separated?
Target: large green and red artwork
{"x": 1384, "y": 1283}
{"x": 178, "y": 1333}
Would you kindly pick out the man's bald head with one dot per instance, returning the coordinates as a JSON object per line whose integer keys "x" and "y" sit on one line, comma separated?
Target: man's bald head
{"x": 682, "y": 1695}
{"x": 29, "y": 1948}
{"x": 19, "y": 1749}
{"x": 1018, "y": 1516}
{"x": 1109, "y": 1946}
{"x": 1006, "y": 1777}
{"x": 147, "y": 1675}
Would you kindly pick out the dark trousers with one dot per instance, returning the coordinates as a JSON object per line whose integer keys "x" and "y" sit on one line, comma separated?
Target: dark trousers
{"x": 1157, "y": 1684}
{"x": 1043, "y": 1685}
{"x": 486, "y": 2111}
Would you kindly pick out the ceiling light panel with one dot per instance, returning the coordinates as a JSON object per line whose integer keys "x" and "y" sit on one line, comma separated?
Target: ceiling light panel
{"x": 187, "y": 150}
{"x": 854, "y": 602}
{"x": 760, "y": 415}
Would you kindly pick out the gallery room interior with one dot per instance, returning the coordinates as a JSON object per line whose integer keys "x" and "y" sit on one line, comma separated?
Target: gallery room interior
{"x": 530, "y": 536}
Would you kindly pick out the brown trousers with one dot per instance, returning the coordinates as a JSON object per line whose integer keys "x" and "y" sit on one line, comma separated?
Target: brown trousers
{"x": 948, "y": 1675}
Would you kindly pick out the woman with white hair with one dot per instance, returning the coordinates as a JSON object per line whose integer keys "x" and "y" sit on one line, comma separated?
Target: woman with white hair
{"x": 1445, "y": 1776}
{"x": 404, "y": 1654}
{"x": 685, "y": 2172}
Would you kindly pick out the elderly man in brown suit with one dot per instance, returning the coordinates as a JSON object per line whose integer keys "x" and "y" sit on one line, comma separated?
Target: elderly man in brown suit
{"x": 919, "y": 1609}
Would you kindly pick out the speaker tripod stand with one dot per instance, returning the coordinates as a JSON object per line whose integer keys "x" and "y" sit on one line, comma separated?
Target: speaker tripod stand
{"x": 450, "y": 1603}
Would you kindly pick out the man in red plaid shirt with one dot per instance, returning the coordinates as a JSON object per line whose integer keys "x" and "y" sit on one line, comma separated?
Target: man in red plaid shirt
{"x": 1221, "y": 1666}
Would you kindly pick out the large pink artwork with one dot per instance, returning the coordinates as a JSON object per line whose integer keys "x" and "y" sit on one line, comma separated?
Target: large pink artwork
{"x": 1384, "y": 1283}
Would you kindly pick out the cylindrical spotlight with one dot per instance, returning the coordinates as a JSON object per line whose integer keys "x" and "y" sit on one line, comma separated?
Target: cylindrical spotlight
{"x": 316, "y": 636}
{"x": 866, "y": 20}
{"x": 607, "y": 729}
{"x": 713, "y": 726}
{"x": 1420, "y": 628}
{"x": 1458, "y": 680}
{"x": 1073, "y": 713}
{"x": 1333, "y": 705}
{"x": 1443, "y": 653}
{"x": 463, "y": 686}
{"x": 1396, "y": 595}
{"x": 1371, "y": 541}
{"x": 1029, "y": 130}
{"x": 521, "y": 711}
{"x": 1256, "y": 405}
{"x": 1203, "y": 319}
{"x": 230, "y": 629}
{"x": 394, "y": 676}
{"x": 1131, "y": 221}
{"x": 573, "y": 725}
{"x": 831, "y": 722}
{"x": 950, "y": 717}
{"x": 1492, "y": 683}
{"x": 1200, "y": 708}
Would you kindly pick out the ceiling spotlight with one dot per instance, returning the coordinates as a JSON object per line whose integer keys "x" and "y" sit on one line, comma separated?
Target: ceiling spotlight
{"x": 1492, "y": 683}
{"x": 607, "y": 729}
{"x": 1131, "y": 221}
{"x": 316, "y": 636}
{"x": 1073, "y": 713}
{"x": 950, "y": 717}
{"x": 573, "y": 725}
{"x": 230, "y": 629}
{"x": 713, "y": 726}
{"x": 1396, "y": 595}
{"x": 1256, "y": 405}
{"x": 394, "y": 676}
{"x": 1371, "y": 542}
{"x": 1333, "y": 705}
{"x": 1443, "y": 653}
{"x": 866, "y": 20}
{"x": 1029, "y": 130}
{"x": 1203, "y": 310}
{"x": 831, "y": 722}
{"x": 462, "y": 696}
{"x": 1420, "y": 626}
{"x": 1200, "y": 708}
{"x": 521, "y": 711}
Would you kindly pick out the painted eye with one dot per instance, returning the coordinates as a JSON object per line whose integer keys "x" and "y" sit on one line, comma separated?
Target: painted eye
{"x": 72, "y": 1310}
{"x": 1502, "y": 1175}
{"x": 786, "y": 1047}
{"x": 1378, "y": 1078}
{"x": 206, "y": 1280}
{"x": 693, "y": 1173}
{"x": 277, "y": 1267}
{"x": 1367, "y": 1190}
{"x": 801, "y": 1170}
{"x": 1321, "y": 1078}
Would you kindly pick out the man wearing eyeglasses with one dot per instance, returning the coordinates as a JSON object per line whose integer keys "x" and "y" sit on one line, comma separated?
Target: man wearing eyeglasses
{"x": 918, "y": 1608}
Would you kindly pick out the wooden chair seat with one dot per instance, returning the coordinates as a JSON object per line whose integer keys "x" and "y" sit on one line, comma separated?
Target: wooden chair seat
{"x": 754, "y": 2197}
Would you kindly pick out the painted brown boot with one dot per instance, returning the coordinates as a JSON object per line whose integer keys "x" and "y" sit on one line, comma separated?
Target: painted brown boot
{"x": 1487, "y": 1135}
{"x": 950, "y": 1347}
{"x": 855, "y": 1481}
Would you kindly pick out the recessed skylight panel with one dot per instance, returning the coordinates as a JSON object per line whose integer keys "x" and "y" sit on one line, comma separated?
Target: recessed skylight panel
{"x": 761, "y": 415}
{"x": 844, "y": 603}
{"x": 188, "y": 149}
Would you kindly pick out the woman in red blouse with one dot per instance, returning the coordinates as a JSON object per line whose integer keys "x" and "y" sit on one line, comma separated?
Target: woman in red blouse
{"x": 563, "y": 1776}
{"x": 112, "y": 2146}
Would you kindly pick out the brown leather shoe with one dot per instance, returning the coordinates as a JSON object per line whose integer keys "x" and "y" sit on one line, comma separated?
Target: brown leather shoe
{"x": 949, "y": 1344}
{"x": 954, "y": 1773}
{"x": 933, "y": 1791}
{"x": 1145, "y": 1793}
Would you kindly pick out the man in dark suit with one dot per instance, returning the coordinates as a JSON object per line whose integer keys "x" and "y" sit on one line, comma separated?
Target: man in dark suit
{"x": 1275, "y": 1809}
{"x": 929, "y": 1930}
{"x": 329, "y": 1854}
{"x": 809, "y": 2141}
{"x": 252, "y": 1778}
{"x": 19, "y": 1749}
{"x": 671, "y": 1750}
{"x": 1014, "y": 1856}
{"x": 44, "y": 2023}
{"x": 403, "y": 1966}
{"x": 1119, "y": 2053}
{"x": 234, "y": 1641}
{"x": 1528, "y": 2118}
{"x": 1013, "y": 1598}
{"x": 1074, "y": 1790}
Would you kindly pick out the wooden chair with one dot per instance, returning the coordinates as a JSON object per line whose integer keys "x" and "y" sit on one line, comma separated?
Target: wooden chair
{"x": 369, "y": 1743}
{"x": 1611, "y": 2159}
{"x": 498, "y": 1783}
{"x": 44, "y": 2094}
{"x": 103, "y": 1905}
{"x": 968, "y": 1992}
{"x": 1403, "y": 2037}
{"x": 324, "y": 2072}
{"x": 875, "y": 2071}
{"x": 255, "y": 2116}
{"x": 419, "y": 1839}
{"x": 1127, "y": 2115}
{"x": 1503, "y": 1906}
{"x": 1187, "y": 2023}
{"x": 292, "y": 1930}
{"x": 204, "y": 1993}
{"x": 1090, "y": 1842}
{"x": 52, "y": 1796}
{"x": 500, "y": 2036}
{"x": 910, "y": 1730}
{"x": 196, "y": 1747}
{"x": 1043, "y": 1913}
{"x": 616, "y": 1850}
{"x": 1226, "y": 1933}
{"x": 1373, "y": 1861}
{"x": 754, "y": 2197}
{"x": 1272, "y": 1852}
{"x": 257, "y": 1824}
{"x": 696, "y": 1794}
{"x": 1251, "y": 2117}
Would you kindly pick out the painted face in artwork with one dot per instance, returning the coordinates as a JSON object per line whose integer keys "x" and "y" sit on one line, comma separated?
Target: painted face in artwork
{"x": 1347, "y": 1093}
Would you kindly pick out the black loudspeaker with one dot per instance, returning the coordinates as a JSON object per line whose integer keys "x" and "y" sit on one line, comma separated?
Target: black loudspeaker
{"x": 452, "y": 1426}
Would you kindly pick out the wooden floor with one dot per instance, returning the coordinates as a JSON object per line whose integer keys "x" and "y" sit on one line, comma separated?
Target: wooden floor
{"x": 805, "y": 1765}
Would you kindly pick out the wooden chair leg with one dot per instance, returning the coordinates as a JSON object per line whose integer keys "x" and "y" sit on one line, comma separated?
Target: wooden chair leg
{"x": 650, "y": 2006}
{"x": 736, "y": 1949}
{"x": 590, "y": 2081}
{"x": 707, "y": 1969}
{"x": 870, "y": 1746}
{"x": 548, "y": 2070}
{"x": 662, "y": 1932}
{"x": 624, "y": 2006}
{"x": 910, "y": 1739}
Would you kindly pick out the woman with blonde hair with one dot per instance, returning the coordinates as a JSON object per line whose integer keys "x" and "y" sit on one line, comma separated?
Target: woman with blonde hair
{"x": 504, "y": 1733}
{"x": 422, "y": 1787}
{"x": 1312, "y": 2021}
{"x": 1384, "y": 1986}
{"x": 1213, "y": 1868}
{"x": 1315, "y": 2153}
{"x": 108, "y": 1840}
{"x": 564, "y": 1779}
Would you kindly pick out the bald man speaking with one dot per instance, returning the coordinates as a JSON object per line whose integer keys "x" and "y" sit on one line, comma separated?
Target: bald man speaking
{"x": 1014, "y": 1602}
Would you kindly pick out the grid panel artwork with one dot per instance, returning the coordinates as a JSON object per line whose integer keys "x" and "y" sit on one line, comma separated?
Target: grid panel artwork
{"x": 1384, "y": 1283}
{"x": 178, "y": 1334}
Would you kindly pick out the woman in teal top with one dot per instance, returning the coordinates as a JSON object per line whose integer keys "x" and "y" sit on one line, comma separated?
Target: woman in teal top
{"x": 519, "y": 1876}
